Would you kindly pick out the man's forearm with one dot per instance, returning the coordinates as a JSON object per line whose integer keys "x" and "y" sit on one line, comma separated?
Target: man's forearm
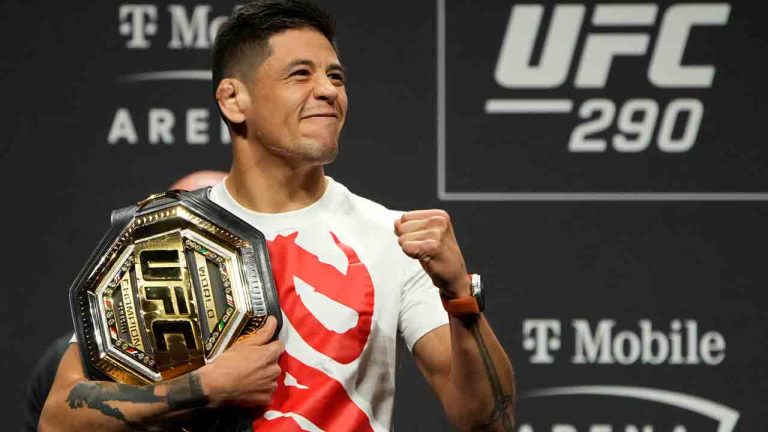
{"x": 481, "y": 387}
{"x": 98, "y": 405}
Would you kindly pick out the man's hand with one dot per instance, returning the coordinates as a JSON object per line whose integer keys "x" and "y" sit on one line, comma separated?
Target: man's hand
{"x": 427, "y": 235}
{"x": 464, "y": 363}
{"x": 246, "y": 373}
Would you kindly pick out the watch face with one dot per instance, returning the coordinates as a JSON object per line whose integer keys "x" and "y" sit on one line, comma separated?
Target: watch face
{"x": 478, "y": 292}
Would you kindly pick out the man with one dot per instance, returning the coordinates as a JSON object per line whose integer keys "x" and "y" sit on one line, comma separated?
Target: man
{"x": 347, "y": 284}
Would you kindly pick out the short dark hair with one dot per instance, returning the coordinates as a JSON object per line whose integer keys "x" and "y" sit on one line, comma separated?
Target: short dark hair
{"x": 244, "y": 37}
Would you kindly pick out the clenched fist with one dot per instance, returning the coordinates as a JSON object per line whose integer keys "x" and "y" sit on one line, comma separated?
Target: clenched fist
{"x": 427, "y": 235}
{"x": 245, "y": 374}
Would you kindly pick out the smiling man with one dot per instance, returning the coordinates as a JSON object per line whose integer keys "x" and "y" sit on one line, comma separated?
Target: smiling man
{"x": 352, "y": 276}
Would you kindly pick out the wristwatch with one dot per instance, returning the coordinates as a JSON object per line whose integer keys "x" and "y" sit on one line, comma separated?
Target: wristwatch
{"x": 471, "y": 305}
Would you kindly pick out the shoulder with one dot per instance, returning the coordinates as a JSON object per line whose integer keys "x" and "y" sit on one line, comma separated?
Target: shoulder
{"x": 366, "y": 210}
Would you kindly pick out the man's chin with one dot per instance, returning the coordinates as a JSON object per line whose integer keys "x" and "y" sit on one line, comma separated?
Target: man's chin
{"x": 320, "y": 153}
{"x": 328, "y": 156}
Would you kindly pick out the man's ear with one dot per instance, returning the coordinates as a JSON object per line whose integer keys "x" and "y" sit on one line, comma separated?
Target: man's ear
{"x": 233, "y": 99}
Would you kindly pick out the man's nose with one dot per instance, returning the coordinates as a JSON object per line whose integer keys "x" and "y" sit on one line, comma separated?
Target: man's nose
{"x": 325, "y": 90}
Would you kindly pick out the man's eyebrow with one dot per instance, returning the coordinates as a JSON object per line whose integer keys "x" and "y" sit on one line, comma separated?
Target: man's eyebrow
{"x": 338, "y": 67}
{"x": 299, "y": 62}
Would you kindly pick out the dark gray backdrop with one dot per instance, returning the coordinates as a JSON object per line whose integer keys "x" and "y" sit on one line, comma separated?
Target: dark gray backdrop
{"x": 67, "y": 70}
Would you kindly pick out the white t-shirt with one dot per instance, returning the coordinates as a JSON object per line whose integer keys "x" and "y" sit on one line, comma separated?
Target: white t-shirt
{"x": 346, "y": 290}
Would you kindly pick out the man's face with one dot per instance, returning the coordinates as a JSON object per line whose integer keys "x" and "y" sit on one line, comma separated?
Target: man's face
{"x": 299, "y": 100}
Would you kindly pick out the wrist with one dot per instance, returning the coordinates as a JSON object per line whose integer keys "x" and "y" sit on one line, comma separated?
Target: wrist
{"x": 459, "y": 289}
{"x": 208, "y": 384}
{"x": 473, "y": 303}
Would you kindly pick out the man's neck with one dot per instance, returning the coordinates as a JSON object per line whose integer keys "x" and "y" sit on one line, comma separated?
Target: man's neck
{"x": 270, "y": 186}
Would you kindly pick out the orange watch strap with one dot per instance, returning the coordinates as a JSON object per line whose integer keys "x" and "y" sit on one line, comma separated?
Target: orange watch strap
{"x": 461, "y": 306}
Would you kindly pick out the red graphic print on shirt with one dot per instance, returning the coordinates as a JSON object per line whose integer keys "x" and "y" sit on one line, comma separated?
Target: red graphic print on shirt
{"x": 353, "y": 289}
{"x": 314, "y": 395}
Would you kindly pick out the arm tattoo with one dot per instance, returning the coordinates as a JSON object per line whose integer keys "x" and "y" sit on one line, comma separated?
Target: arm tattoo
{"x": 96, "y": 395}
{"x": 182, "y": 393}
{"x": 186, "y": 393}
{"x": 502, "y": 402}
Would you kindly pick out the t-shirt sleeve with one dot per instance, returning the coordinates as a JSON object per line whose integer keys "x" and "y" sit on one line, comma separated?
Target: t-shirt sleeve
{"x": 421, "y": 310}
{"x": 73, "y": 339}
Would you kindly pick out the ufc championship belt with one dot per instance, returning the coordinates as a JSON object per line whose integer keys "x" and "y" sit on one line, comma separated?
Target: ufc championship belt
{"x": 173, "y": 283}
